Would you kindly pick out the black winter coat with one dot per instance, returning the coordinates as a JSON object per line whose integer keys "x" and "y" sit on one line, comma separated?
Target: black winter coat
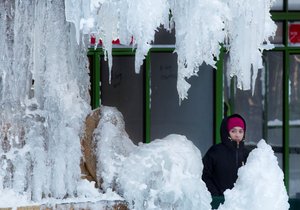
{"x": 222, "y": 161}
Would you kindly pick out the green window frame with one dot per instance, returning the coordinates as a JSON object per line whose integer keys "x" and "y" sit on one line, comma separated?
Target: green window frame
{"x": 284, "y": 16}
{"x": 94, "y": 55}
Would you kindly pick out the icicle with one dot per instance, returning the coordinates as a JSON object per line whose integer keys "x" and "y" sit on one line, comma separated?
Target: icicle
{"x": 197, "y": 41}
{"x": 75, "y": 11}
{"x": 248, "y": 32}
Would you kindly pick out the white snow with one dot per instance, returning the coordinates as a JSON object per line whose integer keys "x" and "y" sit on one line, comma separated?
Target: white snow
{"x": 277, "y": 122}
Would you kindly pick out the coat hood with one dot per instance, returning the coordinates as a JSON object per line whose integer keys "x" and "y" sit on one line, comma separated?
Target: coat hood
{"x": 223, "y": 129}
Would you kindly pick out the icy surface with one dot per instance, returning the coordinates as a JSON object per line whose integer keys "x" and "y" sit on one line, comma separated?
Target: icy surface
{"x": 76, "y": 11}
{"x": 87, "y": 197}
{"x": 259, "y": 185}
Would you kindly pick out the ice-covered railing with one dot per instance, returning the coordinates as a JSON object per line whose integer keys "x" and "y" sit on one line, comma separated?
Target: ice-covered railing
{"x": 43, "y": 98}
{"x": 201, "y": 26}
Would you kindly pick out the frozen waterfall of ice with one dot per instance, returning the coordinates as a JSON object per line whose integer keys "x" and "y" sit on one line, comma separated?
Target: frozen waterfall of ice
{"x": 43, "y": 97}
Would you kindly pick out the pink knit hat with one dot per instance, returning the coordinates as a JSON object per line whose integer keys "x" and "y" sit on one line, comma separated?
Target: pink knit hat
{"x": 235, "y": 122}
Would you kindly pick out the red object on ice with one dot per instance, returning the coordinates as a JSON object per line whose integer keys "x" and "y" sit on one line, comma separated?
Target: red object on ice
{"x": 131, "y": 41}
{"x": 294, "y": 33}
{"x": 93, "y": 40}
{"x": 117, "y": 41}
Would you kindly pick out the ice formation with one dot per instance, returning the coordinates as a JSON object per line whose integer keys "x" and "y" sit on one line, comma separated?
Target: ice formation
{"x": 259, "y": 185}
{"x": 43, "y": 97}
{"x": 249, "y": 30}
{"x": 113, "y": 146}
{"x": 129, "y": 20}
{"x": 197, "y": 40}
{"x": 164, "y": 174}
{"x": 243, "y": 26}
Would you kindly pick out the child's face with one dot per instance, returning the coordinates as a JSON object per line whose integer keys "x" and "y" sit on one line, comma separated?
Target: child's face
{"x": 237, "y": 134}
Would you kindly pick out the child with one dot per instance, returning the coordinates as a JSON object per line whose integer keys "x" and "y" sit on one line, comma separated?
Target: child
{"x": 222, "y": 161}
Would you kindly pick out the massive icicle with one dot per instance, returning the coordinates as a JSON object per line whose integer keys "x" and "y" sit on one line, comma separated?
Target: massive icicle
{"x": 44, "y": 99}
{"x": 76, "y": 11}
{"x": 199, "y": 32}
{"x": 130, "y": 20}
{"x": 249, "y": 31}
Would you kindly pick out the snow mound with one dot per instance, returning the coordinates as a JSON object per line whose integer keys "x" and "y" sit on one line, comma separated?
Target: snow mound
{"x": 164, "y": 174}
{"x": 259, "y": 185}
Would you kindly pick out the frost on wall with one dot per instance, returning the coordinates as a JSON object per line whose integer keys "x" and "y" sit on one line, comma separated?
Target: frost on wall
{"x": 43, "y": 97}
{"x": 201, "y": 26}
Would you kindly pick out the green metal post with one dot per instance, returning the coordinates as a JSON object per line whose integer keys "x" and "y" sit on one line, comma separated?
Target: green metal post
{"x": 147, "y": 99}
{"x": 219, "y": 96}
{"x": 285, "y": 132}
{"x": 96, "y": 81}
